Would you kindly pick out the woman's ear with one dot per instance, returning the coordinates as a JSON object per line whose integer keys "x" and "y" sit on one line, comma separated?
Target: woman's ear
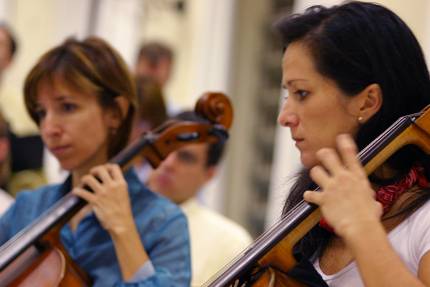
{"x": 117, "y": 115}
{"x": 370, "y": 101}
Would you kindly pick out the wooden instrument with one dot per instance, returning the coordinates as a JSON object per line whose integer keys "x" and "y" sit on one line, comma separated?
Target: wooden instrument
{"x": 267, "y": 261}
{"x": 35, "y": 256}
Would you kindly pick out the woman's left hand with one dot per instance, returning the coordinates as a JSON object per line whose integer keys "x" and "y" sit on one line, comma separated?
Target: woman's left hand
{"x": 347, "y": 200}
{"x": 111, "y": 204}
{"x": 109, "y": 199}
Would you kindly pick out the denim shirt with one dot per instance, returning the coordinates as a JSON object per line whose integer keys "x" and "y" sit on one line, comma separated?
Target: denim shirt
{"x": 162, "y": 227}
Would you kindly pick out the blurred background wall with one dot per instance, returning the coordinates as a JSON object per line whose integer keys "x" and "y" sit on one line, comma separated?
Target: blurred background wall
{"x": 221, "y": 45}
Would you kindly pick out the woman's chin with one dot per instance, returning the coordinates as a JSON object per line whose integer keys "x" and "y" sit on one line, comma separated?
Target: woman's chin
{"x": 67, "y": 166}
{"x": 307, "y": 160}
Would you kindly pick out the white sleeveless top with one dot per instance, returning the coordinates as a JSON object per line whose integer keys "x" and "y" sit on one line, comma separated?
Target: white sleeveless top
{"x": 410, "y": 239}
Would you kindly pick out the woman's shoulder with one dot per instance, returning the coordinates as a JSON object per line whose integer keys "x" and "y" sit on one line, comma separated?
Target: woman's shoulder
{"x": 414, "y": 227}
{"x": 41, "y": 194}
{"x": 35, "y": 201}
{"x": 158, "y": 206}
{"x": 411, "y": 238}
{"x": 146, "y": 202}
{"x": 421, "y": 215}
{"x": 28, "y": 206}
{"x": 158, "y": 216}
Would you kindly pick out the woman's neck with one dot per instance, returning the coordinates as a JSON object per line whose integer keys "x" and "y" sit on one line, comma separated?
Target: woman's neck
{"x": 76, "y": 178}
{"x": 77, "y": 174}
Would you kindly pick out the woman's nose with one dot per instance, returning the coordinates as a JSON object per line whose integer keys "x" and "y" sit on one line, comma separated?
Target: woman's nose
{"x": 287, "y": 117}
{"x": 50, "y": 125}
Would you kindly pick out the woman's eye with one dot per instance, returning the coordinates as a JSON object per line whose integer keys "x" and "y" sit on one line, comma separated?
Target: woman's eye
{"x": 68, "y": 107}
{"x": 40, "y": 113}
{"x": 301, "y": 93}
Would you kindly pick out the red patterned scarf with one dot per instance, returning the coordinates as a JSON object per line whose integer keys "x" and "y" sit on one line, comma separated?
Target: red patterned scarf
{"x": 388, "y": 194}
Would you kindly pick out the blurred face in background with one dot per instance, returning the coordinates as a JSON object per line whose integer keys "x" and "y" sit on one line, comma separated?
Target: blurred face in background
{"x": 159, "y": 71}
{"x": 5, "y": 50}
{"x": 182, "y": 174}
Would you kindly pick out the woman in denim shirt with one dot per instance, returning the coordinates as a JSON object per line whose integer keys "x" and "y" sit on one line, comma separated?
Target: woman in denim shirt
{"x": 82, "y": 98}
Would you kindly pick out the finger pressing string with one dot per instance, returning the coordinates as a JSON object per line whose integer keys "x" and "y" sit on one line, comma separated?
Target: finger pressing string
{"x": 115, "y": 171}
{"x": 84, "y": 194}
{"x": 101, "y": 173}
{"x": 348, "y": 152}
{"x": 92, "y": 182}
{"x": 314, "y": 197}
{"x": 329, "y": 159}
{"x": 319, "y": 175}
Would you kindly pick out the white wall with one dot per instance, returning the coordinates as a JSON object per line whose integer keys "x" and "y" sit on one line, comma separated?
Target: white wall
{"x": 118, "y": 22}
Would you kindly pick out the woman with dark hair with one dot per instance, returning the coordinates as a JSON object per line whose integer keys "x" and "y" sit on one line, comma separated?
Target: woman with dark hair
{"x": 150, "y": 113}
{"x": 349, "y": 72}
{"x": 83, "y": 100}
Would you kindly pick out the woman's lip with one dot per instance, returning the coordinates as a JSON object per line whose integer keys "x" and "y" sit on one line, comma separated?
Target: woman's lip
{"x": 59, "y": 149}
{"x": 298, "y": 142}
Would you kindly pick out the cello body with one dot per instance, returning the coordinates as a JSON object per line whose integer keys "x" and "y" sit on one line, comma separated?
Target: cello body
{"x": 50, "y": 267}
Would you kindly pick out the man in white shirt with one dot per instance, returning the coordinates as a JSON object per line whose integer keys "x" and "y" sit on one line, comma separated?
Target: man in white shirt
{"x": 5, "y": 198}
{"x": 5, "y": 201}
{"x": 215, "y": 239}
{"x": 8, "y": 48}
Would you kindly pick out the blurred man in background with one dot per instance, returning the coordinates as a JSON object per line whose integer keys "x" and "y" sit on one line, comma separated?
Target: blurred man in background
{"x": 155, "y": 61}
{"x": 5, "y": 198}
{"x": 8, "y": 47}
{"x": 26, "y": 159}
{"x": 215, "y": 239}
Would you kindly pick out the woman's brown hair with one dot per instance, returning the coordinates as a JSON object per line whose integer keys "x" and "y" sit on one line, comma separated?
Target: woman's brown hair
{"x": 90, "y": 66}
